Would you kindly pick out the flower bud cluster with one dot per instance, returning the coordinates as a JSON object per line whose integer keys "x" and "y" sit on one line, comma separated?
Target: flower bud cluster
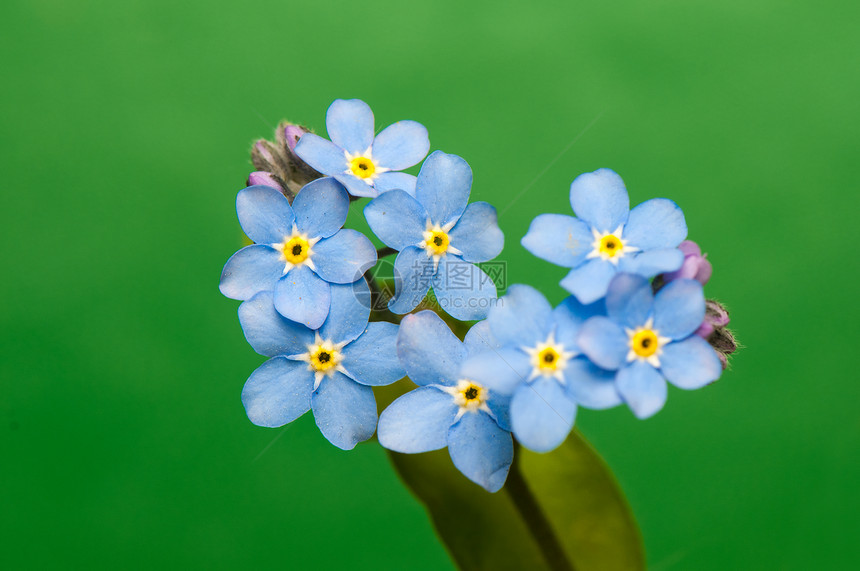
{"x": 277, "y": 164}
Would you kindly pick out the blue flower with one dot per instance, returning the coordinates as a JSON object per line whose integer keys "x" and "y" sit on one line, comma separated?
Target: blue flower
{"x": 608, "y": 237}
{"x": 365, "y": 165}
{"x": 330, "y": 370}
{"x": 439, "y": 238}
{"x": 539, "y": 366}
{"x": 300, "y": 250}
{"x": 448, "y": 408}
{"x": 648, "y": 338}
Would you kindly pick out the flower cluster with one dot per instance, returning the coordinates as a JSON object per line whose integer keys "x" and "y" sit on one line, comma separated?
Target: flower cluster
{"x": 636, "y": 317}
{"x": 306, "y": 300}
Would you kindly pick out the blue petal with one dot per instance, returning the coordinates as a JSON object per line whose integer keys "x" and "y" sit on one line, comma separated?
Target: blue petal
{"x": 251, "y": 270}
{"x": 321, "y": 207}
{"x": 349, "y": 311}
{"x": 344, "y": 410}
{"x": 349, "y": 123}
{"x": 656, "y": 223}
{"x": 303, "y": 297}
{"x": 372, "y": 358}
{"x": 356, "y": 186}
{"x": 477, "y": 234}
{"x": 343, "y": 258}
{"x": 321, "y": 154}
{"x": 569, "y": 316}
{"x": 522, "y": 317}
{"x": 462, "y": 289}
{"x": 542, "y": 414}
{"x": 443, "y": 186}
{"x": 629, "y": 300}
{"x": 278, "y": 392}
{"x": 500, "y": 409}
{"x": 268, "y": 332}
{"x": 417, "y": 422}
{"x": 589, "y": 281}
{"x": 395, "y": 181}
{"x": 264, "y": 214}
{"x": 397, "y": 219}
{"x": 679, "y": 308}
{"x": 481, "y": 450}
{"x": 413, "y": 275}
{"x": 498, "y": 370}
{"x": 591, "y": 386}
{"x": 604, "y": 342}
{"x": 642, "y": 388}
{"x": 652, "y": 262}
{"x": 691, "y": 363}
{"x": 600, "y": 199}
{"x": 562, "y": 240}
{"x": 429, "y": 352}
{"x": 501, "y": 371}
{"x": 401, "y": 145}
{"x": 480, "y": 338}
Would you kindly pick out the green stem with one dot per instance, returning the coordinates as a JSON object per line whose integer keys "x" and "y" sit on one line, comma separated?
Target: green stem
{"x": 376, "y": 294}
{"x": 535, "y": 518}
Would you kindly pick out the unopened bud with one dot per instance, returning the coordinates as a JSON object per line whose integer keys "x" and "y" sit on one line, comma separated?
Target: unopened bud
{"x": 713, "y": 329}
{"x": 715, "y": 316}
{"x": 264, "y": 156}
{"x": 695, "y": 266}
{"x": 278, "y": 166}
{"x": 266, "y": 179}
{"x": 292, "y": 134}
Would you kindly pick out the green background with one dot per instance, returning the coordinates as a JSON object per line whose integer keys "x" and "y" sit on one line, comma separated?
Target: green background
{"x": 125, "y": 131}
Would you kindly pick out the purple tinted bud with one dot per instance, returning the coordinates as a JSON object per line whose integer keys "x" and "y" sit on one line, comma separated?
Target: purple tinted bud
{"x": 705, "y": 329}
{"x": 276, "y": 165}
{"x": 716, "y": 313}
{"x": 695, "y": 266}
{"x": 264, "y": 178}
{"x": 292, "y": 134}
{"x": 261, "y": 148}
{"x": 713, "y": 330}
{"x": 716, "y": 316}
{"x": 690, "y": 248}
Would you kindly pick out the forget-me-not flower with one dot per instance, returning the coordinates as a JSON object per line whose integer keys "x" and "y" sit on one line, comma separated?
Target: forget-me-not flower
{"x": 607, "y": 237}
{"x": 541, "y": 367}
{"x": 448, "y": 408}
{"x": 299, "y": 250}
{"x": 330, "y": 370}
{"x": 648, "y": 338}
{"x": 365, "y": 164}
{"x": 439, "y": 238}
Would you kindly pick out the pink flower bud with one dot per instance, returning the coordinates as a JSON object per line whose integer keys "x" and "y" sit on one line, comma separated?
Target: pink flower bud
{"x": 695, "y": 266}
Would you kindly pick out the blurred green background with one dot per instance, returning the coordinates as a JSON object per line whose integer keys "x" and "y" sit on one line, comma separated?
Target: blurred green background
{"x": 125, "y": 136}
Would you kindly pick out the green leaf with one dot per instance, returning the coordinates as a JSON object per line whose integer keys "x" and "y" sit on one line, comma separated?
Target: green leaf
{"x": 585, "y": 505}
{"x": 561, "y": 510}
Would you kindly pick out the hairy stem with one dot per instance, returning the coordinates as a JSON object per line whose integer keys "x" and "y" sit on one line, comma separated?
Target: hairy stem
{"x": 535, "y": 518}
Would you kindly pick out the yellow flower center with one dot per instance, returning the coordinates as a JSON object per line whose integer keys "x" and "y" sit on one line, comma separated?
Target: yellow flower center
{"x": 362, "y": 167}
{"x": 323, "y": 358}
{"x": 296, "y": 249}
{"x": 548, "y": 359}
{"x": 469, "y": 395}
{"x": 437, "y": 242}
{"x": 610, "y": 245}
{"x": 644, "y": 343}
